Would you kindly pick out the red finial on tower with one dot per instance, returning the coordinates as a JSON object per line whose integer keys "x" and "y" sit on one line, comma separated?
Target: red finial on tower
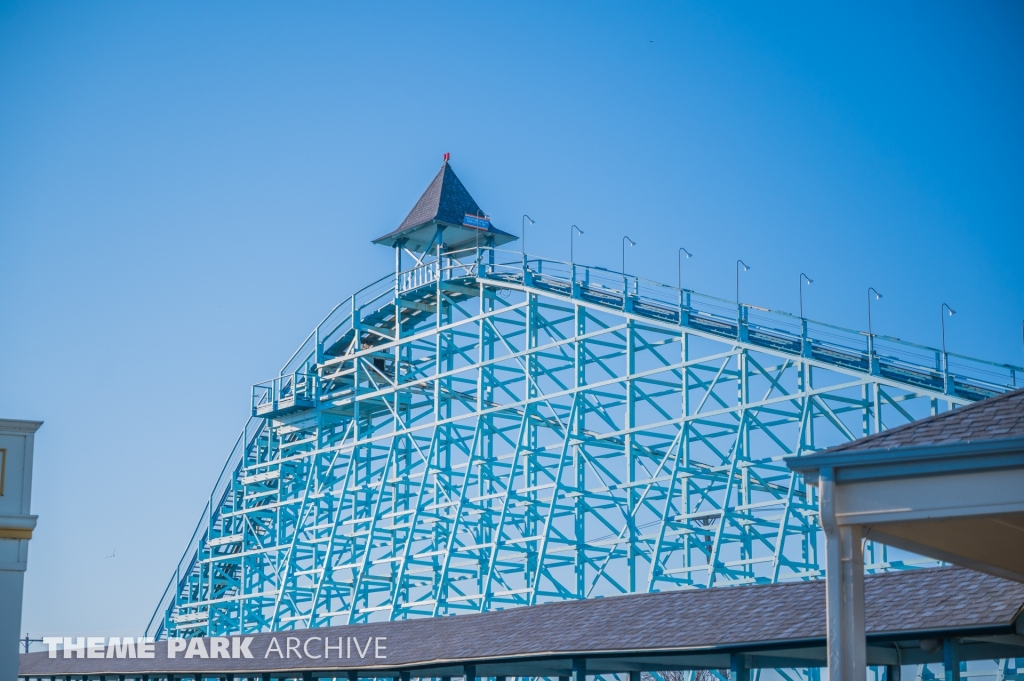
{"x": 447, "y": 156}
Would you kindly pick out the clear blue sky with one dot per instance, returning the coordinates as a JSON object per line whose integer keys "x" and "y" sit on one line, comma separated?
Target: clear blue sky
{"x": 186, "y": 188}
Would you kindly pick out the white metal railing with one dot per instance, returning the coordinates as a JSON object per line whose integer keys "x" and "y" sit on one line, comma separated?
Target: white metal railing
{"x": 418, "y": 276}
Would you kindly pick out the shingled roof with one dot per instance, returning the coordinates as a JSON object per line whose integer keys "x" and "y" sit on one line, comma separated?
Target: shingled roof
{"x": 446, "y": 203}
{"x": 996, "y": 418}
{"x": 908, "y": 605}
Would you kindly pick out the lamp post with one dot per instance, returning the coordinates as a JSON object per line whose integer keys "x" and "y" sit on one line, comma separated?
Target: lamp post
{"x": 631, "y": 244}
{"x": 679, "y": 258}
{"x": 572, "y": 233}
{"x": 745, "y": 268}
{"x": 871, "y": 336}
{"x": 522, "y": 240}
{"x": 878, "y": 296}
{"x": 945, "y": 359}
{"x": 801, "y": 282}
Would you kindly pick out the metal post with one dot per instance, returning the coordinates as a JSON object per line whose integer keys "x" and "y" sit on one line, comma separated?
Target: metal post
{"x": 398, "y": 267}
{"x": 949, "y": 661}
{"x": 872, "y": 362}
{"x": 635, "y": 675}
{"x": 632, "y": 244}
{"x": 679, "y": 263}
{"x": 572, "y": 233}
{"x": 945, "y": 357}
{"x": 741, "y": 323}
{"x": 579, "y": 669}
{"x": 738, "y": 668}
{"x": 353, "y": 675}
{"x": 892, "y": 672}
{"x": 878, "y": 296}
{"x": 469, "y": 671}
{"x": 522, "y": 239}
{"x": 801, "y": 283}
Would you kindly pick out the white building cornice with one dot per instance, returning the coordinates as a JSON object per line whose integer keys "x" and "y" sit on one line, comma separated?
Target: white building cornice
{"x": 19, "y": 426}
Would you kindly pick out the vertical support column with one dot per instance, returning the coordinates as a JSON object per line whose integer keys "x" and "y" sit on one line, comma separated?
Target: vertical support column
{"x": 579, "y": 465}
{"x": 878, "y": 407}
{"x": 634, "y": 675}
{"x": 743, "y": 448}
{"x": 949, "y": 661}
{"x": 892, "y": 672}
{"x": 627, "y": 439}
{"x": 404, "y": 676}
{"x": 352, "y": 674}
{"x": 530, "y": 465}
{"x": 844, "y": 589}
{"x": 469, "y": 671}
{"x": 399, "y": 245}
{"x": 687, "y": 484}
{"x": 947, "y": 385}
{"x": 738, "y": 668}
{"x": 865, "y": 421}
{"x": 579, "y": 669}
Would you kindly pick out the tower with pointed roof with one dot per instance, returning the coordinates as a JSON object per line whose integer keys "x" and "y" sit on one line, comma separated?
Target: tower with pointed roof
{"x": 445, "y": 219}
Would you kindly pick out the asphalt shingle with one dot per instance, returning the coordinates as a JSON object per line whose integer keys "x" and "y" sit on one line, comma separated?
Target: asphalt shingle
{"x": 911, "y": 602}
{"x": 995, "y": 418}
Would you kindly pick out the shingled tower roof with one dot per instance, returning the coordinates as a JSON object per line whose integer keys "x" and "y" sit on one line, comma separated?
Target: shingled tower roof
{"x": 446, "y": 204}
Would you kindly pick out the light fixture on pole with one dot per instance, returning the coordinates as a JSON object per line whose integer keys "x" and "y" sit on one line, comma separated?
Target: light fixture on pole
{"x": 745, "y": 268}
{"x": 631, "y": 244}
{"x": 945, "y": 359}
{"x": 809, "y": 282}
{"x": 951, "y": 313}
{"x": 572, "y": 233}
{"x": 878, "y": 296}
{"x": 679, "y": 258}
{"x": 522, "y": 240}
